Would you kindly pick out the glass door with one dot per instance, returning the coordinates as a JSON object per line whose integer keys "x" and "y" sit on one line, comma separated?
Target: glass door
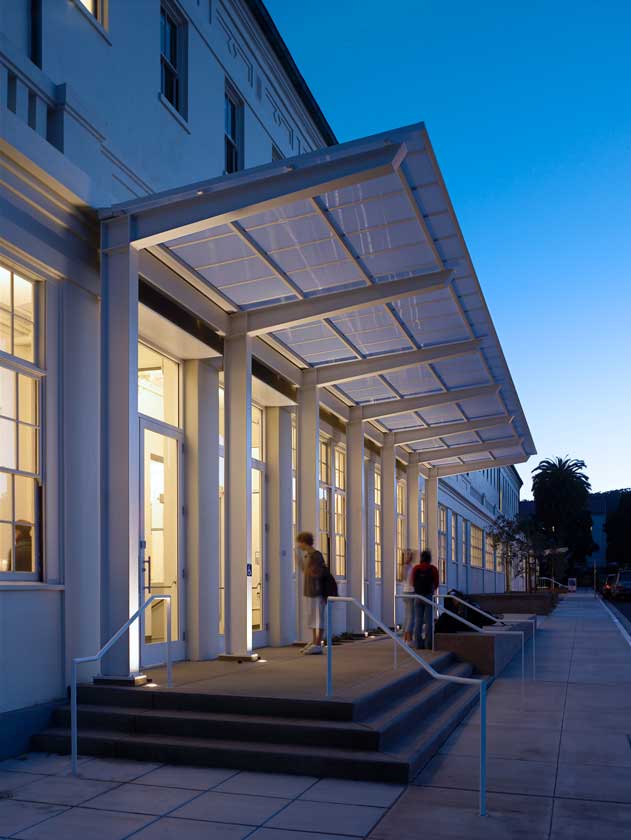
{"x": 259, "y": 627}
{"x": 160, "y": 535}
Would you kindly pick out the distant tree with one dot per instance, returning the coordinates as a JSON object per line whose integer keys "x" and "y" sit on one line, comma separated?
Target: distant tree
{"x": 618, "y": 530}
{"x": 561, "y": 491}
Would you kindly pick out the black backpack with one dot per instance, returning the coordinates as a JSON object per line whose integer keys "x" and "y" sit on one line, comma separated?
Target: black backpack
{"x": 329, "y": 584}
{"x": 423, "y": 581}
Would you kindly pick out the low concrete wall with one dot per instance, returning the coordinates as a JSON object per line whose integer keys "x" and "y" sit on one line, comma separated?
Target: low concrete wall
{"x": 488, "y": 652}
{"x": 532, "y": 603}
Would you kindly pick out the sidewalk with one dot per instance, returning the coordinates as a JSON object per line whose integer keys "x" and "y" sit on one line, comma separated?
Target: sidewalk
{"x": 559, "y": 763}
{"x": 559, "y": 767}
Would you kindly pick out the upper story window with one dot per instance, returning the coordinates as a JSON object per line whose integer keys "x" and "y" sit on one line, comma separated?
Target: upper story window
{"x": 20, "y": 434}
{"x": 233, "y": 131}
{"x": 158, "y": 386}
{"x": 173, "y": 57}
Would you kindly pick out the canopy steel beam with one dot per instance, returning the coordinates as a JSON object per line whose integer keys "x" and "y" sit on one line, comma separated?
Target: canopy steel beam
{"x": 389, "y": 408}
{"x": 347, "y": 371}
{"x": 213, "y": 203}
{"x": 283, "y": 315}
{"x": 475, "y": 466}
{"x": 446, "y": 429}
{"x": 428, "y": 455}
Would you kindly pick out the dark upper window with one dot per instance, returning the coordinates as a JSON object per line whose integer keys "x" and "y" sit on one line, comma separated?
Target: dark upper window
{"x": 172, "y": 58}
{"x": 233, "y": 131}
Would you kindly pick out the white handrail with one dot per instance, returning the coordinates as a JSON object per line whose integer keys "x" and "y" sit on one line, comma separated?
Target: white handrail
{"x": 474, "y": 627}
{"x": 481, "y": 683}
{"x": 98, "y": 656}
{"x": 496, "y": 620}
{"x": 555, "y": 582}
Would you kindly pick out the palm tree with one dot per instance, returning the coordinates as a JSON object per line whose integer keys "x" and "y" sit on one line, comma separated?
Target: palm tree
{"x": 561, "y": 492}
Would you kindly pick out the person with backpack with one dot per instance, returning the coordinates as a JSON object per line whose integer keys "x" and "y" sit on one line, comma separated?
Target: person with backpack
{"x": 425, "y": 583}
{"x": 319, "y": 584}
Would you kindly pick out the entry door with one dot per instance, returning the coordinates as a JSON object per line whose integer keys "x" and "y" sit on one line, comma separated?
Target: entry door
{"x": 259, "y": 611}
{"x": 161, "y": 541}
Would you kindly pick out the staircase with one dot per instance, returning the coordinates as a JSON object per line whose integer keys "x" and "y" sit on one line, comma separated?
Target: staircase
{"x": 386, "y": 735}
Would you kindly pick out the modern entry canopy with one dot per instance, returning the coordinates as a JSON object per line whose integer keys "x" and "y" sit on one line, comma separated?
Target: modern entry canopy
{"x": 350, "y": 262}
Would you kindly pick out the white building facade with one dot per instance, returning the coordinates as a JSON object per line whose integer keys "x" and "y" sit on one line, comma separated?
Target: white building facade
{"x": 191, "y": 374}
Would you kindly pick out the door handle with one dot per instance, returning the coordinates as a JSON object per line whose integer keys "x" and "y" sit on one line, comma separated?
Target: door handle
{"x": 147, "y": 563}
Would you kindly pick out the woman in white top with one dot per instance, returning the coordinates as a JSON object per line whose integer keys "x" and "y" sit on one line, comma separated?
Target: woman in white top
{"x": 409, "y": 562}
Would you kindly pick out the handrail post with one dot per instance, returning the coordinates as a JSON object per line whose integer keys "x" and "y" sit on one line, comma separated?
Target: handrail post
{"x": 73, "y": 717}
{"x": 329, "y": 651}
{"x": 483, "y": 748}
{"x": 169, "y": 660}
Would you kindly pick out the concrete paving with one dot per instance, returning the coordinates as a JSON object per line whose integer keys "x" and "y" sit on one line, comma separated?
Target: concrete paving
{"x": 559, "y": 763}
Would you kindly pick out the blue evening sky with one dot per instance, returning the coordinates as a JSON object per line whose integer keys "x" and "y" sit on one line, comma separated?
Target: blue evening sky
{"x": 528, "y": 106}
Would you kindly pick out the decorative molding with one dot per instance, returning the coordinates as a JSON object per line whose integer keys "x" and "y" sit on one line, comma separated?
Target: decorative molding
{"x": 235, "y": 49}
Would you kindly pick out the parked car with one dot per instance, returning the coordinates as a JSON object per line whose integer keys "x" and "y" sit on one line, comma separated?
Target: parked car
{"x": 608, "y": 586}
{"x": 621, "y": 587}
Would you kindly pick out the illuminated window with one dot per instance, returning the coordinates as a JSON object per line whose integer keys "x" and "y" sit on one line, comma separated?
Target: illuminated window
{"x": 325, "y": 500}
{"x": 257, "y": 433}
{"x": 97, "y": 8}
{"x": 158, "y": 386}
{"x": 477, "y": 548}
{"x": 233, "y": 132}
{"x": 423, "y": 538}
{"x": 454, "y": 538}
{"x": 401, "y": 525}
{"x": 173, "y": 57}
{"x": 294, "y": 497}
{"x": 489, "y": 558}
{"x": 20, "y": 432}
{"x": 340, "y": 513}
{"x": 442, "y": 543}
{"x": 463, "y": 541}
{"x": 377, "y": 534}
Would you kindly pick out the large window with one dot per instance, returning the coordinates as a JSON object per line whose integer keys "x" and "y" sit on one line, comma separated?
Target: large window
{"x": 233, "y": 130}
{"x": 477, "y": 547}
{"x": 454, "y": 537}
{"x": 442, "y": 543}
{"x": 378, "y": 543}
{"x": 158, "y": 386}
{"x": 340, "y": 513}
{"x": 20, "y": 399}
{"x": 423, "y": 538}
{"x": 464, "y": 534}
{"x": 401, "y": 525}
{"x": 489, "y": 554}
{"x": 325, "y": 499}
{"x": 173, "y": 57}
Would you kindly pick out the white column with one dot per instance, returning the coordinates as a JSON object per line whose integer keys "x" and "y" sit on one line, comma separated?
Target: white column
{"x": 120, "y": 578}
{"x": 238, "y": 494}
{"x": 355, "y": 517}
{"x": 201, "y": 457}
{"x": 389, "y": 537}
{"x": 413, "y": 503}
{"x": 431, "y": 515}
{"x": 370, "y": 586}
{"x": 308, "y": 460}
{"x": 281, "y": 593}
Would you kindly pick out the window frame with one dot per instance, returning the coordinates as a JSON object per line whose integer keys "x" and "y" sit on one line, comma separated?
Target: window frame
{"x": 377, "y": 525}
{"x": 339, "y": 511}
{"x": 180, "y": 71}
{"x": 476, "y": 547}
{"x": 401, "y": 525}
{"x": 231, "y": 95}
{"x": 443, "y": 526}
{"x": 324, "y": 495}
{"x": 32, "y": 370}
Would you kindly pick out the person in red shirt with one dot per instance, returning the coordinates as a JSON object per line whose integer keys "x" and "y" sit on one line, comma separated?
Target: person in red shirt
{"x": 425, "y": 582}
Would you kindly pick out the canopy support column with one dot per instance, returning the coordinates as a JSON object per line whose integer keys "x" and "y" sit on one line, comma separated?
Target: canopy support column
{"x": 431, "y": 513}
{"x": 202, "y": 505}
{"x": 355, "y": 519}
{"x": 120, "y": 548}
{"x": 238, "y": 495}
{"x": 413, "y": 503}
{"x": 389, "y": 515}
{"x": 308, "y": 480}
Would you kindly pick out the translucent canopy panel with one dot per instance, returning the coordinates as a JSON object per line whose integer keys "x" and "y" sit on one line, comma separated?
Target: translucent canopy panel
{"x": 336, "y": 221}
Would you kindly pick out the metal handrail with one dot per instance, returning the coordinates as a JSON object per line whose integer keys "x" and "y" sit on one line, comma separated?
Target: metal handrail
{"x": 496, "y": 620}
{"x": 555, "y": 582}
{"x": 474, "y": 627}
{"x": 97, "y": 658}
{"x": 481, "y": 683}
